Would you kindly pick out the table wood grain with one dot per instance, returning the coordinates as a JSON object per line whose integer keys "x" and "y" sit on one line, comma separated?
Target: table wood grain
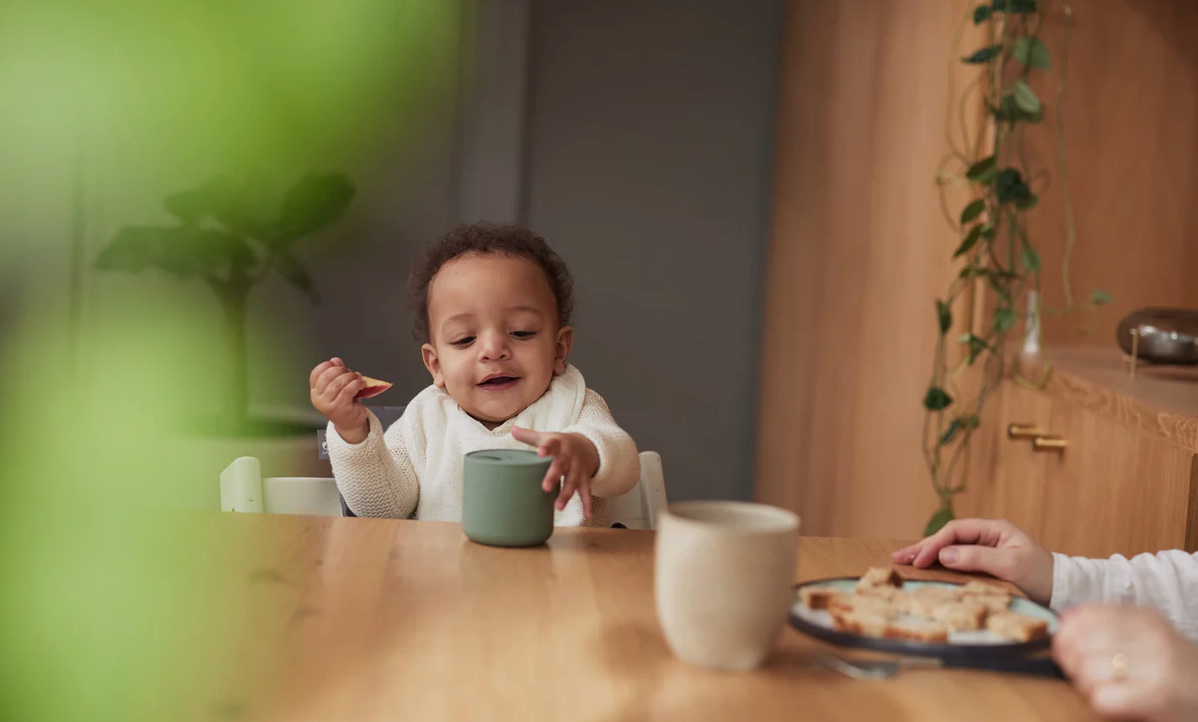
{"x": 367, "y": 619}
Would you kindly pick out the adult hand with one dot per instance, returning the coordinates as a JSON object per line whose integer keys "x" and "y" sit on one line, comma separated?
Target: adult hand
{"x": 995, "y": 547}
{"x": 1129, "y": 662}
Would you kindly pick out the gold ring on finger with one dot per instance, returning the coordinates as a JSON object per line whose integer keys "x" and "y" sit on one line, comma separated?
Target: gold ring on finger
{"x": 1121, "y": 665}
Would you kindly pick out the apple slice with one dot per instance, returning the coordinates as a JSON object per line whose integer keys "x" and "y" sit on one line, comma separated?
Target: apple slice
{"x": 374, "y": 387}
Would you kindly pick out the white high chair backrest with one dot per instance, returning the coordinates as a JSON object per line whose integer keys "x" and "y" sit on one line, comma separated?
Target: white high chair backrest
{"x": 242, "y": 489}
{"x": 638, "y": 509}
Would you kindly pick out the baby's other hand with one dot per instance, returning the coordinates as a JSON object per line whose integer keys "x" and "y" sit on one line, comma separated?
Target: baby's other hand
{"x": 333, "y": 391}
{"x": 574, "y": 457}
{"x": 995, "y": 547}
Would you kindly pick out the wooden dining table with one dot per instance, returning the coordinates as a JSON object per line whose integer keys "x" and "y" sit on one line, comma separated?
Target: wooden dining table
{"x": 371, "y": 619}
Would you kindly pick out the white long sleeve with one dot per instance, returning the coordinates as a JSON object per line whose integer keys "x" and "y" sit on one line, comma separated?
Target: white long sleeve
{"x": 376, "y": 477}
{"x": 415, "y": 469}
{"x": 1167, "y": 580}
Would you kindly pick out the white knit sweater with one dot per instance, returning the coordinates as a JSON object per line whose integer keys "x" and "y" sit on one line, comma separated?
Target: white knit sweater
{"x": 415, "y": 469}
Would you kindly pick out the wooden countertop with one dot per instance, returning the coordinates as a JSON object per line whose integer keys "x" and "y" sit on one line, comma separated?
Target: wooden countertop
{"x": 1162, "y": 400}
{"x": 367, "y": 619}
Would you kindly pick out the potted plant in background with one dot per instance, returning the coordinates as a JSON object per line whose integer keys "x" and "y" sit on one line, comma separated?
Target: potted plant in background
{"x": 232, "y": 234}
{"x": 1000, "y": 263}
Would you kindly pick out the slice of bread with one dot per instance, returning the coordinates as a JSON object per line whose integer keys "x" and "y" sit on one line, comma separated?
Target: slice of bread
{"x": 818, "y": 597}
{"x": 862, "y": 604}
{"x": 966, "y": 615}
{"x": 994, "y": 604}
{"x": 917, "y": 630}
{"x": 900, "y": 600}
{"x": 879, "y": 577}
{"x": 864, "y": 623}
{"x": 924, "y": 600}
{"x": 1018, "y": 627}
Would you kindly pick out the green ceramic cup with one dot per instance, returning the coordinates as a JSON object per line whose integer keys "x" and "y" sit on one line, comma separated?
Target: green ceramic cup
{"x": 502, "y": 500}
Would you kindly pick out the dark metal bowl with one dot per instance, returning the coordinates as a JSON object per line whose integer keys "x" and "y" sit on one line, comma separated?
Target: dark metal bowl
{"x": 1167, "y": 335}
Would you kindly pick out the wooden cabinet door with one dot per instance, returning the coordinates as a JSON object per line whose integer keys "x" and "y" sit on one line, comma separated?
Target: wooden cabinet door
{"x": 1114, "y": 489}
{"x": 1019, "y": 470}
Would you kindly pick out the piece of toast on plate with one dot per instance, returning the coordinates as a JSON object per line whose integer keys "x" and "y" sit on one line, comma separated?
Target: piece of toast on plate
{"x": 879, "y": 577}
{"x": 917, "y": 630}
{"x": 967, "y": 615}
{"x": 818, "y": 597}
{"x": 868, "y": 624}
{"x": 925, "y": 600}
{"x": 1019, "y": 627}
{"x": 862, "y": 604}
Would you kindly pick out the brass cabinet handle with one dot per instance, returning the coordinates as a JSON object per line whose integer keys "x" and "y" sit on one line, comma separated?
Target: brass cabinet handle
{"x": 1049, "y": 443}
{"x": 1025, "y": 431}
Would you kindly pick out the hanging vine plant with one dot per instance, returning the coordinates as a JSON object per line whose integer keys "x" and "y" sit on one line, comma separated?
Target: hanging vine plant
{"x": 996, "y": 252}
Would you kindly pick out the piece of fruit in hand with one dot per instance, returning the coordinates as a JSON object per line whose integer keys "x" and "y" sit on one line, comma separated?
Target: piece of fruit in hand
{"x": 373, "y": 387}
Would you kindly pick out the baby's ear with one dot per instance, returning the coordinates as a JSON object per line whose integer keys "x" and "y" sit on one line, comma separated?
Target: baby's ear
{"x": 433, "y": 364}
{"x": 561, "y": 349}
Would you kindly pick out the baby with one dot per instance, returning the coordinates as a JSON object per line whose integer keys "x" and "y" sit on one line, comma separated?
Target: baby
{"x": 492, "y": 308}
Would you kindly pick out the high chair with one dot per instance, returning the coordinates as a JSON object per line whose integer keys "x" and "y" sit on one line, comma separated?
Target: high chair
{"x": 242, "y": 489}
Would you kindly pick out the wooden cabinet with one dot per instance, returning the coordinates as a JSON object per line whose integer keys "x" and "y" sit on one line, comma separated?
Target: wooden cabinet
{"x": 1125, "y": 481}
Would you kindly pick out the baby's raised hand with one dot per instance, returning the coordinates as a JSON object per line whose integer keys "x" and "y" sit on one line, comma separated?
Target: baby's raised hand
{"x": 333, "y": 391}
{"x": 575, "y": 463}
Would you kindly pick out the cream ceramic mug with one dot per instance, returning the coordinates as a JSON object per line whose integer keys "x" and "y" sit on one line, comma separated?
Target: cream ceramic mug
{"x": 724, "y": 577}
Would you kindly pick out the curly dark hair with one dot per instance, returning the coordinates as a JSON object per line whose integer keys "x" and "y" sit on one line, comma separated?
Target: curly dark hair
{"x": 506, "y": 239}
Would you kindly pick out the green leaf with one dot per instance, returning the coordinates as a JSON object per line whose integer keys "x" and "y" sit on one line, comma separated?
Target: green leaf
{"x": 1025, "y": 97}
{"x": 1019, "y": 7}
{"x": 1032, "y": 52}
{"x": 976, "y": 346}
{"x": 961, "y": 423}
{"x": 945, "y": 316}
{"x": 193, "y": 205}
{"x": 937, "y": 399}
{"x": 296, "y": 275}
{"x": 315, "y": 202}
{"x": 1004, "y": 319}
{"x": 972, "y": 211}
{"x": 938, "y": 521}
{"x": 1008, "y": 110}
{"x": 1101, "y": 298}
{"x": 1010, "y": 188}
{"x": 949, "y": 433}
{"x": 983, "y": 171}
{"x": 250, "y": 207}
{"x": 983, "y": 55}
{"x": 183, "y": 251}
{"x": 970, "y": 241}
{"x": 981, "y": 14}
{"x": 132, "y": 250}
{"x": 1031, "y": 259}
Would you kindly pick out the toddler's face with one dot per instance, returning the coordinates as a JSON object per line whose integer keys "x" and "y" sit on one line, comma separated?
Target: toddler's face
{"x": 496, "y": 343}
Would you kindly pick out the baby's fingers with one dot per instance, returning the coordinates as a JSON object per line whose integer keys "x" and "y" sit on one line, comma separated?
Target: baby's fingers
{"x": 554, "y": 476}
{"x": 584, "y": 490}
{"x": 568, "y": 488}
{"x": 333, "y": 390}
{"x": 351, "y": 389}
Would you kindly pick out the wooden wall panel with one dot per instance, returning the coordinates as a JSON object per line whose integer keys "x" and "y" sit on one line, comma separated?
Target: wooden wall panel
{"x": 1131, "y": 129}
{"x": 858, "y": 252}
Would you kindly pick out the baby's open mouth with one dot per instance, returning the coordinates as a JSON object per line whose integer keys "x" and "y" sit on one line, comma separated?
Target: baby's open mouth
{"x": 501, "y": 381}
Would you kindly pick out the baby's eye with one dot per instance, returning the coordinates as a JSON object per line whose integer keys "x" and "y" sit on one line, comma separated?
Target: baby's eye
{"x": 524, "y": 334}
{"x": 463, "y": 341}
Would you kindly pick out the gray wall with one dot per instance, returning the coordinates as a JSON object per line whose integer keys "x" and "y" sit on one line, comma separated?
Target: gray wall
{"x": 637, "y": 136}
{"x": 649, "y": 142}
